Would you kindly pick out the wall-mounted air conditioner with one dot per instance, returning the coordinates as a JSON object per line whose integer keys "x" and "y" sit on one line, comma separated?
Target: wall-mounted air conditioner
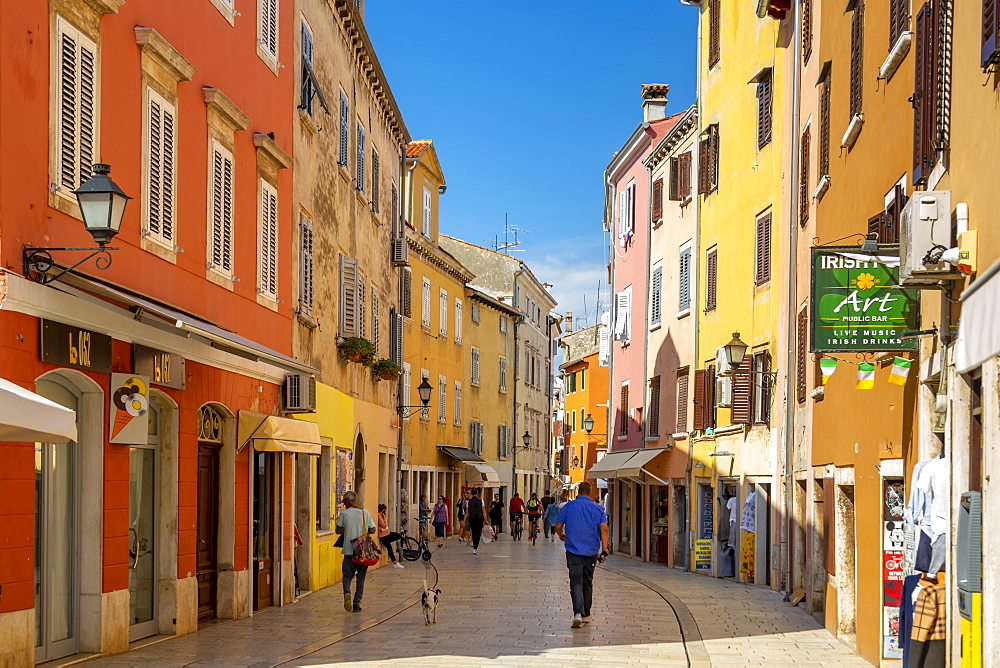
{"x": 724, "y": 392}
{"x": 300, "y": 393}
{"x": 925, "y": 232}
{"x": 722, "y": 365}
{"x": 400, "y": 253}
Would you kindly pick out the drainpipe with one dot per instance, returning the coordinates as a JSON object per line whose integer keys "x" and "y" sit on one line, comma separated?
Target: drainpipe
{"x": 515, "y": 438}
{"x": 609, "y": 200}
{"x": 792, "y": 308}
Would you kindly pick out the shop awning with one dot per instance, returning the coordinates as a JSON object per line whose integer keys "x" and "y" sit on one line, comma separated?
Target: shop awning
{"x": 608, "y": 465}
{"x": 979, "y": 324}
{"x": 272, "y": 433}
{"x": 28, "y": 417}
{"x": 634, "y": 466}
{"x": 476, "y": 472}
{"x": 461, "y": 454}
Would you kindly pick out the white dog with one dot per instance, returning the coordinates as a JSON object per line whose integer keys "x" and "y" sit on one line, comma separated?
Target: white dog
{"x": 429, "y": 601}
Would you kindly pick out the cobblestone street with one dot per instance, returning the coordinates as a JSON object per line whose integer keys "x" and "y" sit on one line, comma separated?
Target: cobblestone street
{"x": 509, "y": 605}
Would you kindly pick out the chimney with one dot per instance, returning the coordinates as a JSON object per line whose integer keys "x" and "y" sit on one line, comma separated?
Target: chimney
{"x": 654, "y": 101}
{"x": 569, "y": 321}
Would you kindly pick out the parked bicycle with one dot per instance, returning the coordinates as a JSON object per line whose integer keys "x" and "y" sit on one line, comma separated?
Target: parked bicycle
{"x": 413, "y": 548}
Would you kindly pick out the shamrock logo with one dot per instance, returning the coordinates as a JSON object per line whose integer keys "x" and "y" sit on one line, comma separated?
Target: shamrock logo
{"x": 865, "y": 281}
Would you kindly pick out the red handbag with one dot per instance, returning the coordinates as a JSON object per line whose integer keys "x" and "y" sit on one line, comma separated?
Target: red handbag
{"x": 366, "y": 553}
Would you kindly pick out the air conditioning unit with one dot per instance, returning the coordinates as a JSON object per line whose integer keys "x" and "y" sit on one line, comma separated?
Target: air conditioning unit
{"x": 724, "y": 392}
{"x": 400, "y": 253}
{"x": 722, "y": 365}
{"x": 925, "y": 232}
{"x": 300, "y": 393}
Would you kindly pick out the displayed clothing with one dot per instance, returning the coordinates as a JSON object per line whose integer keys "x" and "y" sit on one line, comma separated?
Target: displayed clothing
{"x": 935, "y": 482}
{"x": 733, "y": 505}
{"x": 911, "y": 583}
{"x": 930, "y": 614}
{"x": 916, "y": 494}
{"x": 748, "y": 522}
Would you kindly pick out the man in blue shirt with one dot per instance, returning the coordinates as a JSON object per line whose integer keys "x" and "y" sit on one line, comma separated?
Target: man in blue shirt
{"x": 583, "y": 525}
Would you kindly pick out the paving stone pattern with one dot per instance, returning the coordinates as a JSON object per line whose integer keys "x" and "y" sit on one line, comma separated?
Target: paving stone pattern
{"x": 510, "y": 606}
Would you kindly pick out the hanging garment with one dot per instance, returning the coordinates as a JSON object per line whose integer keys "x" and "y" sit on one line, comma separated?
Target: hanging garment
{"x": 935, "y": 482}
{"x": 748, "y": 522}
{"x": 733, "y": 505}
{"x": 930, "y": 625}
{"x": 911, "y": 583}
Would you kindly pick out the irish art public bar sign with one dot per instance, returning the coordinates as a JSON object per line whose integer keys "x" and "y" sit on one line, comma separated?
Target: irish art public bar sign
{"x": 857, "y": 305}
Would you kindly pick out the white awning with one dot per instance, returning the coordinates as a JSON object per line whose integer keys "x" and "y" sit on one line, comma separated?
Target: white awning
{"x": 480, "y": 473}
{"x": 608, "y": 465}
{"x": 28, "y": 417}
{"x": 634, "y": 466}
{"x": 272, "y": 433}
{"x": 979, "y": 323}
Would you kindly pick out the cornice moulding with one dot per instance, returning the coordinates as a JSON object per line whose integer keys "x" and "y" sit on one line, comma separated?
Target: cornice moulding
{"x": 224, "y": 107}
{"x": 271, "y": 150}
{"x": 156, "y": 47}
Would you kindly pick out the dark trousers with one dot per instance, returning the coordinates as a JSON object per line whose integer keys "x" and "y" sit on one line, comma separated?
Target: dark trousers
{"x": 387, "y": 541}
{"x": 476, "y": 527}
{"x": 497, "y": 524}
{"x": 350, "y": 571}
{"x": 546, "y": 527}
{"x": 581, "y": 581}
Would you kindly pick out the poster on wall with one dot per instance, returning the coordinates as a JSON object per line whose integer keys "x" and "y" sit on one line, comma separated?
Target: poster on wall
{"x": 893, "y": 545}
{"x": 129, "y": 412}
{"x": 703, "y": 555}
{"x": 345, "y": 473}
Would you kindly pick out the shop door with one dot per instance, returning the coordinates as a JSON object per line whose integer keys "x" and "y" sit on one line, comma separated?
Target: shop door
{"x": 208, "y": 523}
{"x": 56, "y": 540}
{"x": 142, "y": 532}
{"x": 263, "y": 529}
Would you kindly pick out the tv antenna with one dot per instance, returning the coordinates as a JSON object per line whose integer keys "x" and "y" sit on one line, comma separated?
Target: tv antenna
{"x": 511, "y": 241}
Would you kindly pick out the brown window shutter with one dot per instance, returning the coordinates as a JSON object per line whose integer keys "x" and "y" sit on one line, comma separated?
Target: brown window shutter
{"x": 895, "y": 214}
{"x": 804, "y": 178}
{"x": 801, "y": 352}
{"x": 623, "y": 427}
{"x": 684, "y": 178}
{"x": 857, "y": 56}
{"x": 682, "y": 401}
{"x": 653, "y": 414}
{"x": 699, "y": 399}
{"x": 764, "y": 388}
{"x": 807, "y": 35}
{"x": 764, "y": 112}
{"x": 713, "y": 175}
{"x": 742, "y": 390}
{"x": 925, "y": 93}
{"x": 824, "y": 128}
{"x": 710, "y": 395}
{"x": 674, "y": 189}
{"x": 711, "y": 279}
{"x": 899, "y": 20}
{"x": 991, "y": 33}
{"x": 657, "y": 212}
{"x": 762, "y": 273}
{"x": 713, "y": 32}
{"x": 405, "y": 292}
{"x": 704, "y": 157}
{"x": 829, "y": 536}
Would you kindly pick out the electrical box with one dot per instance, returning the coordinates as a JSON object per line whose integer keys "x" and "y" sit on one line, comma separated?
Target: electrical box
{"x": 925, "y": 225}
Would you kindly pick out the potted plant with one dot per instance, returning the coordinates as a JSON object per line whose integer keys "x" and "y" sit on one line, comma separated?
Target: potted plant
{"x": 358, "y": 349}
{"x": 386, "y": 369}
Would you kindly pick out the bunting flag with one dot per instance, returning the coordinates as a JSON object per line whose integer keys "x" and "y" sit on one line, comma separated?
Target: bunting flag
{"x": 900, "y": 370}
{"x": 866, "y": 376}
{"x": 827, "y": 365}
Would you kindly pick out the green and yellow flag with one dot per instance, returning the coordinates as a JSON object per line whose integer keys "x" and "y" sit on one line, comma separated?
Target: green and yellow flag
{"x": 866, "y": 376}
{"x": 827, "y": 366}
{"x": 900, "y": 370}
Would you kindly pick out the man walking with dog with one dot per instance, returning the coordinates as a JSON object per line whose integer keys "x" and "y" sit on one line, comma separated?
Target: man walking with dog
{"x": 583, "y": 526}
{"x": 353, "y": 522}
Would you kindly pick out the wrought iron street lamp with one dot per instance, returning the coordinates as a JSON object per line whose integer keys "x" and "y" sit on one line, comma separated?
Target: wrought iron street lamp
{"x": 102, "y": 206}
{"x": 588, "y": 423}
{"x": 424, "y": 390}
{"x": 736, "y": 350}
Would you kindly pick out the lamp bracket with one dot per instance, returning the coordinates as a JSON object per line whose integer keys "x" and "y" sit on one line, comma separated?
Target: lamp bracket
{"x": 37, "y": 261}
{"x": 404, "y": 412}
{"x": 768, "y": 379}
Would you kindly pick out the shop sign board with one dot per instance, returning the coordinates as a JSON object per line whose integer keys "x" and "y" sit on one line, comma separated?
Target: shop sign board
{"x": 66, "y": 345}
{"x": 857, "y": 304}
{"x": 129, "y": 412}
{"x": 164, "y": 369}
{"x": 893, "y": 543}
{"x": 703, "y": 555}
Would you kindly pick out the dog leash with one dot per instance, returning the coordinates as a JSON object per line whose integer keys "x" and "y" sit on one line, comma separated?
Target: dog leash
{"x": 431, "y": 564}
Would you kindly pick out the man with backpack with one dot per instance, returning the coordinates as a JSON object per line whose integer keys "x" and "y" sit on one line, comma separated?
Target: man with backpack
{"x": 534, "y": 507}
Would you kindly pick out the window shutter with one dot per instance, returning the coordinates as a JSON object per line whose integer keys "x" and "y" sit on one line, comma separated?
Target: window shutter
{"x": 742, "y": 389}
{"x": 704, "y": 157}
{"x": 682, "y": 402}
{"x": 305, "y": 266}
{"x": 268, "y": 226}
{"x": 458, "y": 403}
{"x": 396, "y": 337}
{"x": 362, "y": 313}
{"x": 443, "y": 313}
{"x": 807, "y": 33}
{"x": 713, "y": 32}
{"x": 503, "y": 374}
{"x": 160, "y": 165}
{"x": 425, "y": 303}
{"x": 653, "y": 414}
{"x": 763, "y": 250}
{"x": 375, "y": 321}
{"x": 458, "y": 320}
{"x": 360, "y": 185}
{"x": 761, "y": 393}
{"x": 657, "y": 212}
{"x": 699, "y": 400}
{"x": 442, "y": 399}
{"x": 426, "y": 218}
{"x": 857, "y": 57}
{"x": 925, "y": 91}
{"x": 407, "y": 382}
{"x": 684, "y": 281}
{"x": 801, "y": 352}
{"x": 675, "y": 175}
{"x": 829, "y": 534}
{"x": 603, "y": 347}
{"x": 631, "y": 208}
{"x": 76, "y": 92}
{"x": 899, "y": 19}
{"x": 475, "y": 366}
{"x": 622, "y": 316}
{"x": 713, "y": 165}
{"x": 656, "y": 295}
{"x": 623, "y": 410}
{"x": 684, "y": 177}
{"x": 824, "y": 128}
{"x": 764, "y": 112}
{"x": 222, "y": 210}
{"x": 406, "y": 292}
{"x": 267, "y": 35}
{"x": 348, "y": 296}
{"x": 804, "y": 178}
{"x": 344, "y": 125}
{"x": 711, "y": 282}
{"x": 375, "y": 178}
{"x": 991, "y": 33}
{"x": 397, "y": 225}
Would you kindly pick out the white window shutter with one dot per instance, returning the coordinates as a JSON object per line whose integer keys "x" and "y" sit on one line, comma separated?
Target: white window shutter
{"x": 305, "y": 266}
{"x": 160, "y": 168}
{"x": 503, "y": 374}
{"x": 621, "y": 316}
{"x": 362, "y": 313}
{"x": 348, "y": 296}
{"x": 267, "y": 226}
{"x": 222, "y": 210}
{"x": 458, "y": 320}
{"x": 458, "y": 403}
{"x": 407, "y": 381}
{"x": 475, "y": 366}
{"x": 426, "y": 220}
{"x": 267, "y": 35}
{"x": 442, "y": 399}
{"x": 375, "y": 322}
{"x": 76, "y": 101}
{"x": 443, "y": 326}
{"x": 425, "y": 303}
{"x": 622, "y": 221}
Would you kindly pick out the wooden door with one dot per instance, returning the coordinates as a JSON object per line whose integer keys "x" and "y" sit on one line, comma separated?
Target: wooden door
{"x": 208, "y": 523}
{"x": 263, "y": 529}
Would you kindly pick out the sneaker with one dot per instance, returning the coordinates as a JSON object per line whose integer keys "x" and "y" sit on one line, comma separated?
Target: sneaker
{"x": 587, "y": 619}
{"x": 440, "y": 544}
{"x": 397, "y": 565}
{"x": 475, "y": 552}
{"x": 577, "y": 621}
{"x": 357, "y": 608}
{"x": 347, "y": 601}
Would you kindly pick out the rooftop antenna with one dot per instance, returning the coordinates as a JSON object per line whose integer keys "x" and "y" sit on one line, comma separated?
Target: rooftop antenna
{"x": 511, "y": 242}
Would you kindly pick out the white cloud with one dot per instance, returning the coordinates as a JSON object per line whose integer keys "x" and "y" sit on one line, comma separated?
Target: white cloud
{"x": 576, "y": 270}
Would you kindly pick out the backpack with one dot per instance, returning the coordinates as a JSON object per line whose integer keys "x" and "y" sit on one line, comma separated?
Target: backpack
{"x": 533, "y": 505}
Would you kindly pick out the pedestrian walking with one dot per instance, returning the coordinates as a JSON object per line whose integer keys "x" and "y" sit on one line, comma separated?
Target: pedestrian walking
{"x": 386, "y": 537}
{"x": 549, "y": 520}
{"x": 583, "y": 526}
{"x": 352, "y": 523}
{"x": 476, "y": 519}
{"x": 547, "y": 500}
{"x": 440, "y": 517}
{"x": 462, "y": 507}
{"x": 496, "y": 514}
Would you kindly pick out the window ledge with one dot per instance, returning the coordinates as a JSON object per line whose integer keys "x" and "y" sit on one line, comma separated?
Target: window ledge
{"x": 268, "y": 59}
{"x": 622, "y": 438}
{"x": 731, "y": 429}
{"x": 342, "y": 170}
{"x": 227, "y": 12}
{"x": 679, "y": 436}
{"x": 267, "y": 302}
{"x": 683, "y": 314}
{"x": 220, "y": 279}
{"x": 896, "y": 56}
{"x": 821, "y": 187}
{"x": 687, "y": 199}
{"x": 65, "y": 202}
{"x": 307, "y": 320}
{"x": 307, "y": 121}
{"x": 818, "y": 393}
{"x": 376, "y": 219}
{"x": 159, "y": 250}
{"x": 853, "y": 130}
{"x": 325, "y": 534}
{"x": 657, "y": 223}
{"x": 360, "y": 194}
{"x": 651, "y": 439}
{"x": 655, "y": 327}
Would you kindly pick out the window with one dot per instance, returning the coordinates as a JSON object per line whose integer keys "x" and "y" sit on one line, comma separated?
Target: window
{"x": 426, "y": 220}
{"x": 804, "y": 178}
{"x": 857, "y": 56}
{"x": 267, "y": 27}
{"x": 571, "y": 383}
{"x": 406, "y": 292}
{"x": 925, "y": 90}
{"x": 475, "y": 313}
{"x": 323, "y": 478}
{"x": 221, "y": 187}
{"x": 682, "y": 401}
{"x": 425, "y": 303}
{"x": 623, "y": 315}
{"x": 764, "y": 109}
{"x": 443, "y": 313}
{"x": 362, "y": 313}
{"x": 653, "y": 413}
{"x": 309, "y": 87}
{"x": 344, "y": 130}
{"x": 160, "y": 149}
{"x": 680, "y": 176}
{"x": 458, "y": 320}
{"x": 711, "y": 278}
{"x": 684, "y": 280}
{"x": 517, "y": 361}
{"x": 475, "y": 366}
{"x": 801, "y": 353}
{"x": 742, "y": 393}
{"x": 305, "y": 266}
{"x": 348, "y": 310}
{"x": 886, "y": 223}
{"x": 656, "y": 295}
{"x": 442, "y": 399}
{"x": 399, "y": 231}
{"x": 762, "y": 263}
{"x": 503, "y": 374}
{"x": 267, "y": 226}
{"x": 713, "y": 32}
{"x": 708, "y": 160}
{"x": 395, "y": 336}
{"x": 807, "y": 32}
{"x": 76, "y": 107}
{"x": 824, "y": 126}
{"x": 503, "y": 324}
{"x": 704, "y": 397}
{"x": 360, "y": 184}
{"x": 503, "y": 441}
{"x": 583, "y": 379}
{"x": 375, "y": 320}
{"x": 572, "y": 421}
{"x": 991, "y": 34}
{"x": 762, "y": 392}
{"x": 407, "y": 393}
{"x": 375, "y": 177}
{"x": 899, "y": 20}
{"x": 656, "y": 201}
{"x": 458, "y": 403}
{"x": 626, "y": 211}
{"x": 623, "y": 410}
{"x": 476, "y": 437}
{"x": 673, "y": 190}
{"x": 425, "y": 411}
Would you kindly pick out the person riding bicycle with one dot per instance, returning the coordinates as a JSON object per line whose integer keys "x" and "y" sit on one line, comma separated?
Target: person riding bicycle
{"x": 516, "y": 512}
{"x": 534, "y": 507}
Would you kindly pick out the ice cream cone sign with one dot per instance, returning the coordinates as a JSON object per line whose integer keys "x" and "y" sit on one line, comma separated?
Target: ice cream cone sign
{"x": 129, "y": 408}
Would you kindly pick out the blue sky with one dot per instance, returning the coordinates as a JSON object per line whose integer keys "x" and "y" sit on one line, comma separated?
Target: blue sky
{"x": 526, "y": 103}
